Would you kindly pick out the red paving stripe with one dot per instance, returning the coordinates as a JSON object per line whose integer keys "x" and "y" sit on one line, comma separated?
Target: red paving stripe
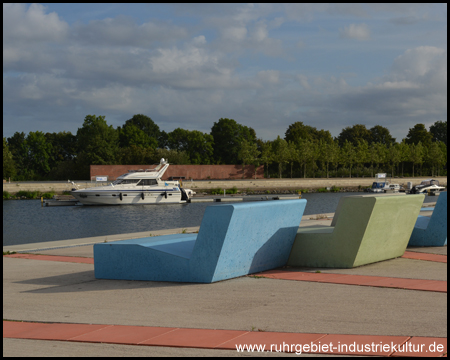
{"x": 335, "y": 344}
{"x": 424, "y": 256}
{"x": 362, "y": 280}
{"x": 74, "y": 259}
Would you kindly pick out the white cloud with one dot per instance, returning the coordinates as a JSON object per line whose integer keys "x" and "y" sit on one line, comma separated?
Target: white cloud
{"x": 355, "y": 31}
{"x": 32, "y": 24}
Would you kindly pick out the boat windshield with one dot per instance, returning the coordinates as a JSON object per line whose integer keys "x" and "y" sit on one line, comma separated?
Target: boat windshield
{"x": 430, "y": 182}
{"x": 377, "y": 185}
{"x": 125, "y": 181}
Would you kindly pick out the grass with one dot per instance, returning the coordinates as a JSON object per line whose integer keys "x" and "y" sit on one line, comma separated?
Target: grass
{"x": 28, "y": 195}
{"x": 9, "y": 252}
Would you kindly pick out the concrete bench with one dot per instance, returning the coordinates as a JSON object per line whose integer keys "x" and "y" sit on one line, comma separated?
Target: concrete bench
{"x": 233, "y": 240}
{"x": 432, "y": 231}
{"x": 365, "y": 229}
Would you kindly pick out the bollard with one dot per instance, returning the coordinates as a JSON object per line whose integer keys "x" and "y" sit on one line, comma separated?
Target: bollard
{"x": 42, "y": 201}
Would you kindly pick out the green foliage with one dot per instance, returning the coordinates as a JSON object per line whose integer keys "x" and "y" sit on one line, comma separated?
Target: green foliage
{"x": 439, "y": 131}
{"x": 322, "y": 190}
{"x": 197, "y": 145}
{"x": 27, "y": 194}
{"x": 419, "y": 134}
{"x": 131, "y": 135}
{"x": 380, "y": 134}
{"x": 227, "y": 135}
{"x": 6, "y": 195}
{"x": 146, "y": 125}
{"x": 335, "y": 189}
{"x": 308, "y": 151}
{"x": 217, "y": 191}
{"x": 97, "y": 141}
{"x": 280, "y": 153}
{"x": 9, "y": 166}
{"x": 354, "y": 134}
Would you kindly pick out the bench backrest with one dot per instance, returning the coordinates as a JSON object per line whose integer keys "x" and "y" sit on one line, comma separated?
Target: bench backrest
{"x": 338, "y": 208}
{"x": 438, "y": 221}
{"x": 375, "y": 228}
{"x": 244, "y": 238}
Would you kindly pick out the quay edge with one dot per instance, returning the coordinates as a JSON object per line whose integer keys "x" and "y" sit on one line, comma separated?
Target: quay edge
{"x": 352, "y": 184}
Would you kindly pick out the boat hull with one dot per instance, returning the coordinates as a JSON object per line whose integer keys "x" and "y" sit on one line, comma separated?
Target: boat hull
{"x": 125, "y": 197}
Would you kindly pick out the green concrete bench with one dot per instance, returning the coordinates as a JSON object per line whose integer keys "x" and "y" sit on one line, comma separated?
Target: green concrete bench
{"x": 365, "y": 229}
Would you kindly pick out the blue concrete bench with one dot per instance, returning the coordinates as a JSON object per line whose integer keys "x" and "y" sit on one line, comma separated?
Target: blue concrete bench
{"x": 432, "y": 231}
{"x": 233, "y": 240}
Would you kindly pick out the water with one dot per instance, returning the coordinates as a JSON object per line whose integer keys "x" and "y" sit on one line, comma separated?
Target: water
{"x": 25, "y": 221}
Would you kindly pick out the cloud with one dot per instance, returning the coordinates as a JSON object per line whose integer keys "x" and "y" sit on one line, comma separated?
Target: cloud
{"x": 355, "y": 31}
{"x": 31, "y": 25}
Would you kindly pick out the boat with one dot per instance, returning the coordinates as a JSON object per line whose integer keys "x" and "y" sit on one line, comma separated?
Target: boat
{"x": 383, "y": 186}
{"x": 136, "y": 187}
{"x": 427, "y": 186}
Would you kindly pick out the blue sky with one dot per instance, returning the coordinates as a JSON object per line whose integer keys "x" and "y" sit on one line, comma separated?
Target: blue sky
{"x": 188, "y": 65}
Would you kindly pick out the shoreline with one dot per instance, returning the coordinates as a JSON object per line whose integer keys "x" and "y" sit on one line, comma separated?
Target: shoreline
{"x": 257, "y": 187}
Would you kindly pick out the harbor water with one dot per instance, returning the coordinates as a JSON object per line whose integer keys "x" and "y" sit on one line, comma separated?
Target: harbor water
{"x": 25, "y": 221}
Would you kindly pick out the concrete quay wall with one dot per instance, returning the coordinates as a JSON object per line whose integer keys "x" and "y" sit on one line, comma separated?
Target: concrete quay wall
{"x": 258, "y": 184}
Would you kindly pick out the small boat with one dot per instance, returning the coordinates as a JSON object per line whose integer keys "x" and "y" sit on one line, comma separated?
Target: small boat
{"x": 427, "y": 186}
{"x": 136, "y": 187}
{"x": 383, "y": 186}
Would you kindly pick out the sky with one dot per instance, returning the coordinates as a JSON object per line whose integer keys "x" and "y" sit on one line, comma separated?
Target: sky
{"x": 186, "y": 66}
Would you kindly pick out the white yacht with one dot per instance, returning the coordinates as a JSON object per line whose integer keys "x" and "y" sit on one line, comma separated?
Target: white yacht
{"x": 427, "y": 186}
{"x": 136, "y": 187}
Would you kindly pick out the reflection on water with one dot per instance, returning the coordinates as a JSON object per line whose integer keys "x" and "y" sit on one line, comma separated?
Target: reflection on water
{"x": 25, "y": 221}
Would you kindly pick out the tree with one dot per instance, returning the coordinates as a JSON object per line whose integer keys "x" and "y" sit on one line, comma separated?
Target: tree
{"x": 146, "y": 124}
{"x": 197, "y": 145}
{"x": 334, "y": 154}
{"x": 354, "y": 134}
{"x": 227, "y": 135}
{"x": 394, "y": 156}
{"x": 130, "y": 134}
{"x": 200, "y": 147}
{"x": 97, "y": 144}
{"x": 382, "y": 135}
{"x": 306, "y": 153}
{"x": 265, "y": 148}
{"x": 19, "y": 151}
{"x": 435, "y": 156}
{"x": 39, "y": 152}
{"x": 172, "y": 156}
{"x": 416, "y": 154}
{"x": 280, "y": 153}
{"x": 9, "y": 166}
{"x": 404, "y": 150}
{"x": 293, "y": 154}
{"x": 298, "y": 131}
{"x": 63, "y": 150}
{"x": 419, "y": 134}
{"x": 362, "y": 153}
{"x": 248, "y": 154}
{"x": 348, "y": 155}
{"x": 439, "y": 131}
{"x": 135, "y": 155}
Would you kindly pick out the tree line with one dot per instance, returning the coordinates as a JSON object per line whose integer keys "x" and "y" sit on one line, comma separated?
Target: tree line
{"x": 303, "y": 152}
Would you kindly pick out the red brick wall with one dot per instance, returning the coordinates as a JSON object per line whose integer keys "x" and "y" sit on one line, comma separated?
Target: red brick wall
{"x": 196, "y": 172}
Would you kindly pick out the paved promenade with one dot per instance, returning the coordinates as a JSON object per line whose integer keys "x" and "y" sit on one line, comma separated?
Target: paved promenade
{"x": 54, "y": 306}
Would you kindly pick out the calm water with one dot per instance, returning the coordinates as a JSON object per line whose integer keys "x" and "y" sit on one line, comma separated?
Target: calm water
{"x": 25, "y": 221}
